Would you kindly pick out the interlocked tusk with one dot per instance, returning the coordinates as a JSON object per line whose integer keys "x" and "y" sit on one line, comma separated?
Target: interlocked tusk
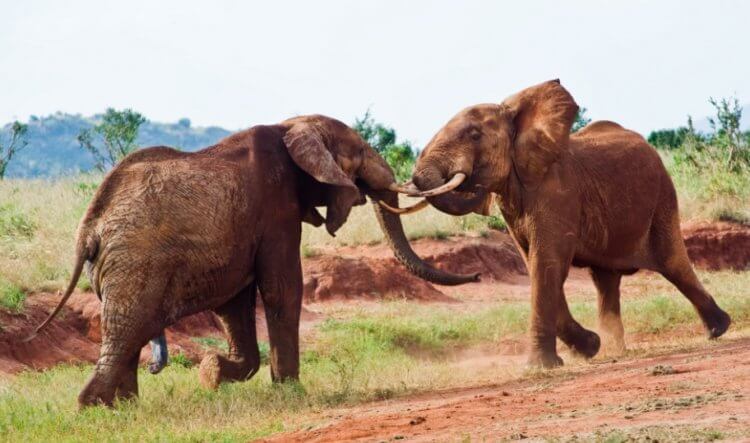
{"x": 452, "y": 184}
{"x": 403, "y": 211}
{"x": 407, "y": 188}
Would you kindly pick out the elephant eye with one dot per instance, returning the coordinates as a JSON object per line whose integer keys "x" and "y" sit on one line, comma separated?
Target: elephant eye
{"x": 475, "y": 134}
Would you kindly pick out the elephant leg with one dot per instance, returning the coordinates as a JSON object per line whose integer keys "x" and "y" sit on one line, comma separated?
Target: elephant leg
{"x": 243, "y": 359}
{"x": 681, "y": 275}
{"x": 124, "y": 333}
{"x": 280, "y": 284}
{"x": 128, "y": 387}
{"x": 607, "y": 284}
{"x": 159, "y": 354}
{"x": 672, "y": 261}
{"x": 548, "y": 269}
{"x": 578, "y": 338}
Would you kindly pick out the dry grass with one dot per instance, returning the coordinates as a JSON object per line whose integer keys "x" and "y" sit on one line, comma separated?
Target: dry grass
{"x": 38, "y": 220}
{"x": 710, "y": 194}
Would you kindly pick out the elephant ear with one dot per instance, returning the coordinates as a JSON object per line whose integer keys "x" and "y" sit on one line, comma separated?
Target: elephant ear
{"x": 308, "y": 145}
{"x": 542, "y": 115}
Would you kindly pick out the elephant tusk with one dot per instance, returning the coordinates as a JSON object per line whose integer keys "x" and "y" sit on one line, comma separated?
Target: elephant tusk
{"x": 403, "y": 211}
{"x": 452, "y": 184}
{"x": 407, "y": 188}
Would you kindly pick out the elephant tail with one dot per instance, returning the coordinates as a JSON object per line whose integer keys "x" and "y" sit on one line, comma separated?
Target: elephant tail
{"x": 86, "y": 249}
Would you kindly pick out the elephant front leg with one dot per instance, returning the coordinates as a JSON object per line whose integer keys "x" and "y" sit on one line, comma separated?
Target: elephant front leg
{"x": 243, "y": 358}
{"x": 280, "y": 284}
{"x": 548, "y": 268}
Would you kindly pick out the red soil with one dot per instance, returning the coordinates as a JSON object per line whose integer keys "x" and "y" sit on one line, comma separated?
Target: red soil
{"x": 702, "y": 388}
{"x": 717, "y": 246}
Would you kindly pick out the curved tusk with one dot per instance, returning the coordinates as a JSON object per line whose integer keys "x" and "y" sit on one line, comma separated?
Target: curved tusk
{"x": 452, "y": 184}
{"x": 407, "y": 188}
{"x": 403, "y": 211}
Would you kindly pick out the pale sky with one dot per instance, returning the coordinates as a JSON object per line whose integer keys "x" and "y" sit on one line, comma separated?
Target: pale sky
{"x": 644, "y": 64}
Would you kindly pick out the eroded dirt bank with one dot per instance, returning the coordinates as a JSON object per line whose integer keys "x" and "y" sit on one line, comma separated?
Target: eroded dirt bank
{"x": 365, "y": 272}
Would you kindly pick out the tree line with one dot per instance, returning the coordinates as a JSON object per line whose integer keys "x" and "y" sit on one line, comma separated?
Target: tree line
{"x": 115, "y": 135}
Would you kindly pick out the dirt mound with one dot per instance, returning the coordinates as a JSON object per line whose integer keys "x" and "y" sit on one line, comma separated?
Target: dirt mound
{"x": 345, "y": 277}
{"x": 495, "y": 261}
{"x": 717, "y": 246}
{"x": 332, "y": 277}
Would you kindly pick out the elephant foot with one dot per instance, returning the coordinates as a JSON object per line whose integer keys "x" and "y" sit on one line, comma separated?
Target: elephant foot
{"x": 587, "y": 343}
{"x": 613, "y": 345}
{"x": 215, "y": 369}
{"x": 717, "y": 323}
{"x": 546, "y": 360}
{"x": 97, "y": 393}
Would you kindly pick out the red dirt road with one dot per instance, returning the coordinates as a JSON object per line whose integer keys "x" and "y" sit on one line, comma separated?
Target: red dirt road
{"x": 685, "y": 395}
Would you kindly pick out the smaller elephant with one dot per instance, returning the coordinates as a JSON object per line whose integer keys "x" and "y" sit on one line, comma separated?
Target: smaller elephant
{"x": 600, "y": 198}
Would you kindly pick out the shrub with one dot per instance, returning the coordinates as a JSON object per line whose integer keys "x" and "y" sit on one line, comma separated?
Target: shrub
{"x": 11, "y": 296}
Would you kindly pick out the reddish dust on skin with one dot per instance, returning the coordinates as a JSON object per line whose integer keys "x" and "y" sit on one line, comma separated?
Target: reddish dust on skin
{"x": 350, "y": 273}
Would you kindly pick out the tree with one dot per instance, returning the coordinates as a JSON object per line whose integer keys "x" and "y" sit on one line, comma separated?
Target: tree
{"x": 113, "y": 138}
{"x": 726, "y": 131}
{"x": 668, "y": 138}
{"x": 399, "y": 155}
{"x": 15, "y": 143}
{"x": 581, "y": 120}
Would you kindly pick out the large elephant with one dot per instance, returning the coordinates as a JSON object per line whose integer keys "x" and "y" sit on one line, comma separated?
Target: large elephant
{"x": 600, "y": 198}
{"x": 170, "y": 233}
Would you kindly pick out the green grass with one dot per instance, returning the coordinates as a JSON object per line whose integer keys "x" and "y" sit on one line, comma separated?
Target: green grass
{"x": 711, "y": 192}
{"x": 365, "y": 352}
{"x": 11, "y": 296}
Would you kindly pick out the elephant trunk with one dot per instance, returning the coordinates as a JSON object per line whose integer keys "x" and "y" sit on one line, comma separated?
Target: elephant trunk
{"x": 453, "y": 202}
{"x": 396, "y": 238}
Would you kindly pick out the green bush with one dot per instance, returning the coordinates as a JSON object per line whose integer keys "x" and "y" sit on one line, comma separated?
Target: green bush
{"x": 11, "y": 296}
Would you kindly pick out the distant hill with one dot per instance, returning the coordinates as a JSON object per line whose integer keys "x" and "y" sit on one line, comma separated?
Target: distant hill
{"x": 54, "y": 151}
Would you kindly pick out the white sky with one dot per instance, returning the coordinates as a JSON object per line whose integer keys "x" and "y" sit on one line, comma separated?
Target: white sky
{"x": 415, "y": 63}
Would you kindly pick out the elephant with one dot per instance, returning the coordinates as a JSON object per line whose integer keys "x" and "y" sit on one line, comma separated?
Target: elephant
{"x": 170, "y": 233}
{"x": 600, "y": 198}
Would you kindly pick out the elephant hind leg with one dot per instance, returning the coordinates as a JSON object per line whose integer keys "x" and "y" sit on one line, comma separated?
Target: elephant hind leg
{"x": 579, "y": 339}
{"x": 128, "y": 387}
{"x": 607, "y": 284}
{"x": 671, "y": 260}
{"x": 243, "y": 358}
{"x": 680, "y": 273}
{"x": 124, "y": 333}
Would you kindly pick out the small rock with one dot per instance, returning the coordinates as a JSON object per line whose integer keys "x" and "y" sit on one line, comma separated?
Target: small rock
{"x": 663, "y": 370}
{"x": 417, "y": 420}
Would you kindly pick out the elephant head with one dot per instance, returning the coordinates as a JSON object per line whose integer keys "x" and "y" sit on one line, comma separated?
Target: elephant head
{"x": 335, "y": 156}
{"x": 477, "y": 150}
